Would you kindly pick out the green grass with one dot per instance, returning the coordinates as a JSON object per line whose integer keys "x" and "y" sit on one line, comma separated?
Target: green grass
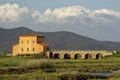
{"x": 115, "y": 76}
{"x": 29, "y": 68}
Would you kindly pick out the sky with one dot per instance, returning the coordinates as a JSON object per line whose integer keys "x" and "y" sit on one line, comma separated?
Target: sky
{"x": 98, "y": 19}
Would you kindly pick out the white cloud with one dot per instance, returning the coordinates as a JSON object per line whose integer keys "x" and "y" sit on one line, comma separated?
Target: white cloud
{"x": 102, "y": 24}
{"x": 104, "y": 15}
{"x": 81, "y": 14}
{"x": 60, "y": 13}
{"x": 107, "y": 12}
{"x": 11, "y": 12}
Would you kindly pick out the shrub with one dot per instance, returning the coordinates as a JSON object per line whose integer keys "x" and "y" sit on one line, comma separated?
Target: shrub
{"x": 73, "y": 77}
{"x": 45, "y": 65}
{"x": 48, "y": 66}
{"x": 40, "y": 56}
{"x": 31, "y": 64}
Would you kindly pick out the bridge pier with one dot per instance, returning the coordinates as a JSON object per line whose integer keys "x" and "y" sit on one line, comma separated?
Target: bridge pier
{"x": 72, "y": 56}
{"x": 61, "y": 56}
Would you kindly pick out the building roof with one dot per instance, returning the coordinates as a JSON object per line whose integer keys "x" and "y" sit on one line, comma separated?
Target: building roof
{"x": 29, "y": 35}
{"x": 44, "y": 44}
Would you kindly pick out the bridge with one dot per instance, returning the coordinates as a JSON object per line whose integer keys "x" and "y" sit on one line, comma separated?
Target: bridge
{"x": 76, "y": 54}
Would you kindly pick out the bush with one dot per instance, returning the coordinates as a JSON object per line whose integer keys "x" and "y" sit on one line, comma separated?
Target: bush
{"x": 73, "y": 77}
{"x": 31, "y": 65}
{"x": 45, "y": 65}
{"x": 40, "y": 56}
{"x": 48, "y": 66}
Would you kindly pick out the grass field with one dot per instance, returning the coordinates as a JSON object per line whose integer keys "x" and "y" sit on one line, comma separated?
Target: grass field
{"x": 29, "y": 68}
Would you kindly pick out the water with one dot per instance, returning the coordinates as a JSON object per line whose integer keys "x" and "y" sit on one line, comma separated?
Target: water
{"x": 118, "y": 71}
{"x": 106, "y": 74}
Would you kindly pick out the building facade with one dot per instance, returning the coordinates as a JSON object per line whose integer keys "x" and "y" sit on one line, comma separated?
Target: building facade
{"x": 30, "y": 44}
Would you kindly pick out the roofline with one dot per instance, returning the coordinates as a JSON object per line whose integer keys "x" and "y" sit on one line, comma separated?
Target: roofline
{"x": 30, "y": 35}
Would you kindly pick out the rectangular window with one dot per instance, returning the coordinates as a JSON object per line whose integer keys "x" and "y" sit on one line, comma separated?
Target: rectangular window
{"x": 21, "y": 41}
{"x": 27, "y": 41}
{"x": 22, "y": 49}
{"x": 27, "y": 49}
{"x": 33, "y": 41}
{"x": 33, "y": 49}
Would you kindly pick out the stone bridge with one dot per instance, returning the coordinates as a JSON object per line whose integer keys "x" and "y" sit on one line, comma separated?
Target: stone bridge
{"x": 76, "y": 54}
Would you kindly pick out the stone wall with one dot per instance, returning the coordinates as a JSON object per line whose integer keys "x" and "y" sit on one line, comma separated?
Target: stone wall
{"x": 72, "y": 54}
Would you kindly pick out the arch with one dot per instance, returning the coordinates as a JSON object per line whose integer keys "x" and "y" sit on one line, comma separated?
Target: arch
{"x": 56, "y": 56}
{"x": 77, "y": 56}
{"x": 98, "y": 56}
{"x": 88, "y": 56}
{"x": 67, "y": 56}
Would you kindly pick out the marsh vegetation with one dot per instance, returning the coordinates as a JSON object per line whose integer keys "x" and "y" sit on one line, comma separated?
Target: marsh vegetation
{"x": 35, "y": 68}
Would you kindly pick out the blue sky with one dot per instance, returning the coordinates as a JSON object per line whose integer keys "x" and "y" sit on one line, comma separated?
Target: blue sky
{"x": 98, "y": 19}
{"x": 42, "y": 5}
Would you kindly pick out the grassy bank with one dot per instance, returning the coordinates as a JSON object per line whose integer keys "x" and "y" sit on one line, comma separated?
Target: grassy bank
{"x": 29, "y": 68}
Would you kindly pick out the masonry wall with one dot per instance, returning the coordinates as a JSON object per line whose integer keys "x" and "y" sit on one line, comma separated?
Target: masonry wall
{"x": 83, "y": 53}
{"x": 27, "y": 45}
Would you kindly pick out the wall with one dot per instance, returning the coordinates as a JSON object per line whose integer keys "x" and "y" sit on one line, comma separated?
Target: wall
{"x": 94, "y": 53}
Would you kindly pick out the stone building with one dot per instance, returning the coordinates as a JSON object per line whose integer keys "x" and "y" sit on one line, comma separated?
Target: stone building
{"x": 30, "y": 44}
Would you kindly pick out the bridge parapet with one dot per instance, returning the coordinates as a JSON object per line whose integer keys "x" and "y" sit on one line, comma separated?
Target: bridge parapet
{"x": 97, "y": 51}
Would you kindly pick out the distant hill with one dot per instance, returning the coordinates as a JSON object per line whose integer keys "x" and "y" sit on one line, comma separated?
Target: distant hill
{"x": 61, "y": 40}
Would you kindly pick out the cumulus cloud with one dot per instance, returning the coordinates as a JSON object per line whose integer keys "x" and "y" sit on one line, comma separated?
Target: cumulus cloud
{"x": 99, "y": 24}
{"x": 102, "y": 24}
{"x": 11, "y": 12}
{"x": 60, "y": 13}
{"x": 81, "y": 14}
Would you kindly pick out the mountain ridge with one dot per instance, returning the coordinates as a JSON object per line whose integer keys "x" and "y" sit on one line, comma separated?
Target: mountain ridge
{"x": 61, "y": 40}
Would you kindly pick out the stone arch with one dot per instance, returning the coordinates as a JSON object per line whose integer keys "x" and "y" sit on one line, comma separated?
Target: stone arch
{"x": 98, "y": 56}
{"x": 56, "y": 56}
{"x": 88, "y": 56}
{"x": 77, "y": 56}
{"x": 67, "y": 56}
